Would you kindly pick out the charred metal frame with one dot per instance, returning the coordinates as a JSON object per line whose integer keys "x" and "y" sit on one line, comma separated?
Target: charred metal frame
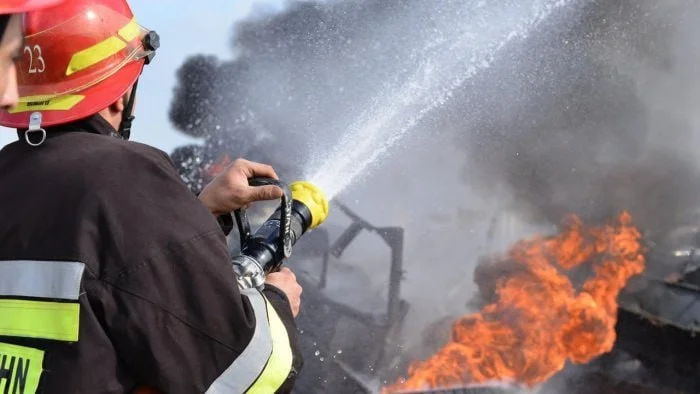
{"x": 393, "y": 237}
{"x": 396, "y": 307}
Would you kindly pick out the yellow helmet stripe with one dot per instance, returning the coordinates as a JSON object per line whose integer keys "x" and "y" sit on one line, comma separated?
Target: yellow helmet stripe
{"x": 103, "y": 50}
{"x": 130, "y": 31}
{"x": 95, "y": 54}
{"x": 46, "y": 103}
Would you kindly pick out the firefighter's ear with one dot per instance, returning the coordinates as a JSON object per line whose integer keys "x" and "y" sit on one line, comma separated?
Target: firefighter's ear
{"x": 116, "y": 107}
{"x": 119, "y": 105}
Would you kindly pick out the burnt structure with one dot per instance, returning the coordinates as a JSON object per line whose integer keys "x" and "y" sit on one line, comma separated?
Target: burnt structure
{"x": 459, "y": 390}
{"x": 347, "y": 347}
{"x": 659, "y": 312}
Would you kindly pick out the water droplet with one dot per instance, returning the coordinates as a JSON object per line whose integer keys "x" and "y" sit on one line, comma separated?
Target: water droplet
{"x": 316, "y": 353}
{"x": 340, "y": 351}
{"x": 321, "y": 358}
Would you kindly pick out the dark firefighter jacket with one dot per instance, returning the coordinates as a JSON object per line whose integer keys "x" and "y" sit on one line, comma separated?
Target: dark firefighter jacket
{"x": 113, "y": 275}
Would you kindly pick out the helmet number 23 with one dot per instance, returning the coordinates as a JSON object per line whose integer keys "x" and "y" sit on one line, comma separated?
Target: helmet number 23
{"x": 36, "y": 61}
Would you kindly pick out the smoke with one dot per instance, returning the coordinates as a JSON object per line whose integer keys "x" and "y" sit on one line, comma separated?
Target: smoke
{"x": 590, "y": 118}
{"x": 604, "y": 118}
{"x": 595, "y": 112}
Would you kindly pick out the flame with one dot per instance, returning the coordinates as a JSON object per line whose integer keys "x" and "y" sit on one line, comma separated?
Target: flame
{"x": 539, "y": 320}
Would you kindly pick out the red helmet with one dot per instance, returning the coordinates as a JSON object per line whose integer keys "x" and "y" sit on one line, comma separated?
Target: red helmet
{"x": 79, "y": 57}
{"x": 20, "y": 6}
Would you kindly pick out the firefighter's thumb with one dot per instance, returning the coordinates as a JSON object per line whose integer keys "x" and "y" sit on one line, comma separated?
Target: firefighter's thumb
{"x": 262, "y": 193}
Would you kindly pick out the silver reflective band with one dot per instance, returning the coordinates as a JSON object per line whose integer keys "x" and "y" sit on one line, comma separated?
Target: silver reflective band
{"x": 44, "y": 279}
{"x": 245, "y": 369}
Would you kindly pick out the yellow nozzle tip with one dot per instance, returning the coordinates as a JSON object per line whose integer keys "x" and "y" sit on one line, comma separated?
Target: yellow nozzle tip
{"x": 314, "y": 199}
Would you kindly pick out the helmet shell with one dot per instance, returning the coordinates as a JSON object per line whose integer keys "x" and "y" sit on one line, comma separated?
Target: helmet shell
{"x": 21, "y": 6}
{"x": 79, "y": 58}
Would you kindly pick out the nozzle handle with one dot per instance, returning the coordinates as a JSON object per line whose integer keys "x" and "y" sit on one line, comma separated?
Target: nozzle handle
{"x": 285, "y": 241}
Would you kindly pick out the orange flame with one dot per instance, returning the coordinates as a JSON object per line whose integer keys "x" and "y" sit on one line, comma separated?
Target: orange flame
{"x": 539, "y": 320}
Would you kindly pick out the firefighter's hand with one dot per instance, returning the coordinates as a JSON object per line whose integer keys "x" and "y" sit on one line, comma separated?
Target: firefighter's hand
{"x": 230, "y": 191}
{"x": 286, "y": 281}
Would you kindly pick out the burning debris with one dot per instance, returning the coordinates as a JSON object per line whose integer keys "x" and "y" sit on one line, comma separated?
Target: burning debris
{"x": 473, "y": 389}
{"x": 539, "y": 320}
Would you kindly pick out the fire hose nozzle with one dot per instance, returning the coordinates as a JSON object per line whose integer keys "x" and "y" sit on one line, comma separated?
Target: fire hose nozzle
{"x": 313, "y": 198}
{"x": 303, "y": 208}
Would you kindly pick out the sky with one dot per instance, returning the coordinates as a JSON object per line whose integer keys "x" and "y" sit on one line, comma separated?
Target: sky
{"x": 185, "y": 28}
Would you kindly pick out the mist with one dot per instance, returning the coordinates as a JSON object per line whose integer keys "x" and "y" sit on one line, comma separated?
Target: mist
{"x": 594, "y": 113}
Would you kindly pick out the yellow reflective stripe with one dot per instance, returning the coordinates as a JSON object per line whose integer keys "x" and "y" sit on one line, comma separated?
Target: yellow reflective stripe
{"x": 246, "y": 368}
{"x": 95, "y": 54}
{"x": 46, "y": 103}
{"x": 264, "y": 365}
{"x": 23, "y": 367}
{"x": 40, "y": 319}
{"x": 102, "y": 50}
{"x": 130, "y": 31}
{"x": 280, "y": 362}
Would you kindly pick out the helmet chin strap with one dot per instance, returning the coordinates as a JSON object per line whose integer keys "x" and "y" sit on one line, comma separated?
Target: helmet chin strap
{"x": 124, "y": 131}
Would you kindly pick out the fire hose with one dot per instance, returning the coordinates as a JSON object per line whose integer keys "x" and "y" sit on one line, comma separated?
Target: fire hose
{"x": 303, "y": 207}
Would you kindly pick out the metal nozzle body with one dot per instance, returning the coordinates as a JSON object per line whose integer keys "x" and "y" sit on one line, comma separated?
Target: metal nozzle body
{"x": 261, "y": 254}
{"x": 249, "y": 273}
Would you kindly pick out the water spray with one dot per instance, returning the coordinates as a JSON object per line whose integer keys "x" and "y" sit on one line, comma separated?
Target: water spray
{"x": 303, "y": 207}
{"x": 445, "y": 65}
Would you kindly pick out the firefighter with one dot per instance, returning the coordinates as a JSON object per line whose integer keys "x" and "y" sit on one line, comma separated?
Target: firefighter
{"x": 113, "y": 275}
{"x": 11, "y": 12}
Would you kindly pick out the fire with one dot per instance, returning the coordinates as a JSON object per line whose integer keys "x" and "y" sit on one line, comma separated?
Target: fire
{"x": 539, "y": 320}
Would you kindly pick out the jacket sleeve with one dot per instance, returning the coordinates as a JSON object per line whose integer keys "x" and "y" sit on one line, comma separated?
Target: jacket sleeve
{"x": 175, "y": 314}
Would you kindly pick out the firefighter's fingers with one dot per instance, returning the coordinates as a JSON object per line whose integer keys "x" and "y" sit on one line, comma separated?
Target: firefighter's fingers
{"x": 296, "y": 302}
{"x": 285, "y": 280}
{"x": 263, "y": 193}
{"x": 296, "y": 305}
{"x": 251, "y": 169}
{"x": 288, "y": 271}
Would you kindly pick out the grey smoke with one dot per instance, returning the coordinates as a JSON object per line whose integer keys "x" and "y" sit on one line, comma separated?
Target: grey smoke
{"x": 599, "y": 119}
{"x": 595, "y": 113}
